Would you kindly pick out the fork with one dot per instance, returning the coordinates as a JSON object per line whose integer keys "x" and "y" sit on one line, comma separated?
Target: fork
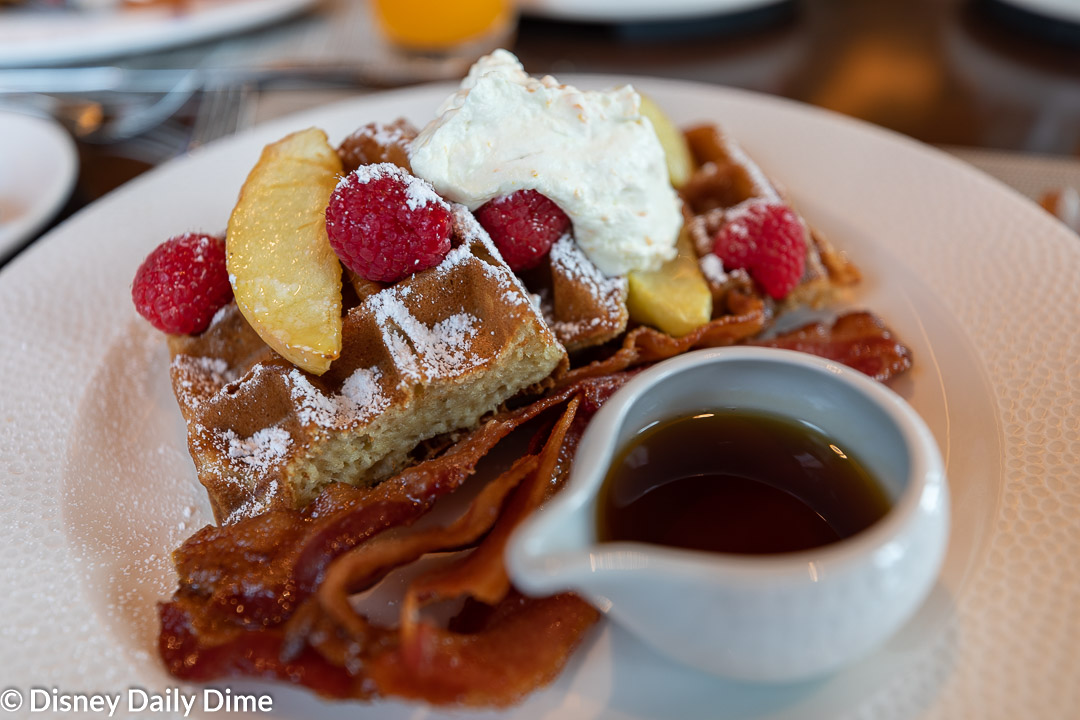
{"x": 222, "y": 111}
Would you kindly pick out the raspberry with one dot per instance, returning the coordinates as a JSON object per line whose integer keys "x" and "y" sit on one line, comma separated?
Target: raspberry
{"x": 523, "y": 225}
{"x": 767, "y": 239}
{"x": 182, "y": 283}
{"x": 385, "y": 224}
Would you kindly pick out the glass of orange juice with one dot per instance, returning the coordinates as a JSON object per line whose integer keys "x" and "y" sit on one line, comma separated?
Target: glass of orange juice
{"x": 461, "y": 29}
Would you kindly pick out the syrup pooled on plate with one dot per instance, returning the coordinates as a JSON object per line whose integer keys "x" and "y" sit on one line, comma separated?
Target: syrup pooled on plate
{"x": 737, "y": 481}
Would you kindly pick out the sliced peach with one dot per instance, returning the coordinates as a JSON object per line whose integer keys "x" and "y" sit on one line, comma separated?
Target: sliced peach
{"x": 675, "y": 298}
{"x": 284, "y": 274}
{"x": 680, "y": 162}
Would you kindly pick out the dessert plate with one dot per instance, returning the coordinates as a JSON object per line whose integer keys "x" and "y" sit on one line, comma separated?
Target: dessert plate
{"x": 97, "y": 487}
{"x": 618, "y": 11}
{"x": 1066, "y": 10}
{"x": 31, "y": 38}
{"x": 40, "y": 166}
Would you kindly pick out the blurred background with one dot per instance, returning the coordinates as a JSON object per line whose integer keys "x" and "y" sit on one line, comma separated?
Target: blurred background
{"x": 134, "y": 84}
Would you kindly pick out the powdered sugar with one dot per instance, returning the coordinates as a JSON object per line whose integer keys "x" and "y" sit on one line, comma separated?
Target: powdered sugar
{"x": 418, "y": 193}
{"x": 608, "y": 293}
{"x": 405, "y": 359}
{"x": 361, "y": 399}
{"x": 385, "y": 135}
{"x": 470, "y": 231}
{"x": 223, "y": 311}
{"x": 216, "y": 367}
{"x": 446, "y": 347}
{"x": 254, "y": 505}
{"x": 362, "y": 389}
{"x": 254, "y": 376}
{"x": 569, "y": 257}
{"x": 200, "y": 376}
{"x": 440, "y": 351}
{"x": 734, "y": 217}
{"x": 703, "y": 229}
{"x": 261, "y": 451}
{"x": 366, "y": 173}
{"x": 762, "y": 188}
{"x": 469, "y": 228}
{"x": 712, "y": 267}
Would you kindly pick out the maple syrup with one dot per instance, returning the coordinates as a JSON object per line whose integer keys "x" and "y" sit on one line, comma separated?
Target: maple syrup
{"x": 737, "y": 481}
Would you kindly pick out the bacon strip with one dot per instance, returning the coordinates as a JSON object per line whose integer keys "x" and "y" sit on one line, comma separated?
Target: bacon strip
{"x": 319, "y": 644}
{"x": 246, "y": 605}
{"x": 367, "y": 564}
{"x": 523, "y": 644}
{"x": 255, "y": 572}
{"x": 644, "y": 344}
{"x": 858, "y": 340}
{"x": 515, "y": 648}
{"x": 525, "y": 641}
{"x": 482, "y": 574}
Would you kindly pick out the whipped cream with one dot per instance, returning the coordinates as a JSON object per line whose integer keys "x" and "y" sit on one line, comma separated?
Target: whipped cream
{"x": 592, "y": 153}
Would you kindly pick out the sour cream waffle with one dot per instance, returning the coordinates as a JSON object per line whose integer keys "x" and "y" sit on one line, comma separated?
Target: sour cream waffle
{"x": 425, "y": 356}
{"x": 582, "y": 306}
{"x": 727, "y": 178}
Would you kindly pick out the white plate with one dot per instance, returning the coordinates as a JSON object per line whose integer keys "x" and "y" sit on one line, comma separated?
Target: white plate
{"x": 39, "y": 169}
{"x": 33, "y": 37}
{"x": 97, "y": 486}
{"x": 1054, "y": 9}
{"x": 615, "y": 11}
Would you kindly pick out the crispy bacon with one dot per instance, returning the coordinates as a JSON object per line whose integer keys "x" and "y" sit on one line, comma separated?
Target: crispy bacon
{"x": 268, "y": 597}
{"x": 644, "y": 344}
{"x": 367, "y": 564}
{"x": 524, "y": 644}
{"x": 318, "y": 640}
{"x": 858, "y": 340}
{"x": 257, "y": 570}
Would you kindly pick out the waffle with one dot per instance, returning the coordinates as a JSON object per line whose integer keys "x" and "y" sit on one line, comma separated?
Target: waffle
{"x": 430, "y": 354}
{"x": 726, "y": 177}
{"x": 378, "y": 142}
{"x": 582, "y": 306}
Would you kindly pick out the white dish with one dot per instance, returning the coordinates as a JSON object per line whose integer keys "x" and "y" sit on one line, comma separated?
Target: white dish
{"x": 97, "y": 487}
{"x": 31, "y": 38}
{"x": 616, "y": 11}
{"x": 791, "y": 617}
{"x": 40, "y": 166}
{"x": 1053, "y": 9}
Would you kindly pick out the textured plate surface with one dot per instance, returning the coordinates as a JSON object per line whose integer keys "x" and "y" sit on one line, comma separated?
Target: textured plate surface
{"x": 96, "y": 487}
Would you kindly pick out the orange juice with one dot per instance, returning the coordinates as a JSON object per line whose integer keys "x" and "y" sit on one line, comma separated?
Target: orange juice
{"x": 441, "y": 24}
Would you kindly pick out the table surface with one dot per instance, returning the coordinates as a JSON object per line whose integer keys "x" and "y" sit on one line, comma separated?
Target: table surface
{"x": 962, "y": 73}
{"x": 943, "y": 71}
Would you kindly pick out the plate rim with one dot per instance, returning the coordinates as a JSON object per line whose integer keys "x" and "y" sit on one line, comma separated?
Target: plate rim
{"x": 55, "y": 195}
{"x": 157, "y": 32}
{"x": 598, "y": 11}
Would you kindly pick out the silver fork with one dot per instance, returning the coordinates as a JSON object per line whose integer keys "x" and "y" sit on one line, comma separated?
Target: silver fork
{"x": 223, "y": 111}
